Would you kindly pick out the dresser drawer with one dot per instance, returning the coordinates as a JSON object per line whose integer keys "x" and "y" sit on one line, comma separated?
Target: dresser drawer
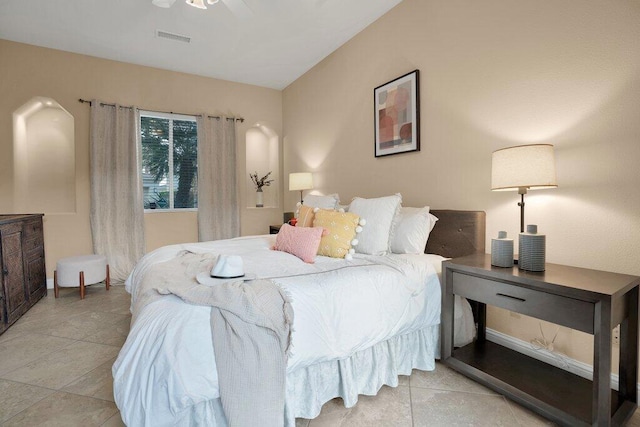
{"x": 33, "y": 235}
{"x": 557, "y": 309}
{"x": 33, "y": 229}
{"x": 35, "y": 253}
{"x": 34, "y": 245}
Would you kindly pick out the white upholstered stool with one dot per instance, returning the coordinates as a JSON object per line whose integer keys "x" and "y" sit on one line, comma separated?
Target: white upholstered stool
{"x": 80, "y": 271}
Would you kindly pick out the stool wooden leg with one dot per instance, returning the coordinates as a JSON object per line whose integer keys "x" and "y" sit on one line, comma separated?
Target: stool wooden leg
{"x": 55, "y": 283}
{"x": 107, "y": 281}
{"x": 82, "y": 285}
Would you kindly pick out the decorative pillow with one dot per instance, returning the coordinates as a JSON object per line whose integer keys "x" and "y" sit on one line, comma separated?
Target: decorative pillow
{"x": 412, "y": 229}
{"x": 305, "y": 216}
{"x": 302, "y": 242}
{"x": 342, "y": 228}
{"x": 322, "y": 202}
{"x": 379, "y": 215}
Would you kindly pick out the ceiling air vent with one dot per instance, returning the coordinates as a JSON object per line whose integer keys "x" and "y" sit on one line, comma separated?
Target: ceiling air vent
{"x": 172, "y": 36}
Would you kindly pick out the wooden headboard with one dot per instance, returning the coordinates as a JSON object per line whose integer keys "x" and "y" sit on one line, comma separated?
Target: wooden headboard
{"x": 457, "y": 233}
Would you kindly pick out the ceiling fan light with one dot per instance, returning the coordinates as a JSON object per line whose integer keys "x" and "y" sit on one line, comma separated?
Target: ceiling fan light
{"x": 163, "y": 3}
{"x": 197, "y": 3}
{"x": 212, "y": 1}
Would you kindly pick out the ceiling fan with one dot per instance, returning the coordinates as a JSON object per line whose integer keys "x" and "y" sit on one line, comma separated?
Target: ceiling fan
{"x": 238, "y": 7}
{"x": 195, "y": 3}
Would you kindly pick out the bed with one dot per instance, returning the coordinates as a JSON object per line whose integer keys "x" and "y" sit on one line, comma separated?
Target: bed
{"x": 358, "y": 324}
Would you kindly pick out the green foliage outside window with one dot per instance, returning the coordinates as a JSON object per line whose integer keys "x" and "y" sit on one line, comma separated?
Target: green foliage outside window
{"x": 169, "y": 162}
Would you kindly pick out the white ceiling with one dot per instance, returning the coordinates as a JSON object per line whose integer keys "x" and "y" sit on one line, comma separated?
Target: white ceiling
{"x": 267, "y": 43}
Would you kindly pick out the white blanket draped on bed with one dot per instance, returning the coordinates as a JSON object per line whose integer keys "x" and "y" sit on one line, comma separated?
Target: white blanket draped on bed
{"x": 250, "y": 325}
{"x": 167, "y": 366}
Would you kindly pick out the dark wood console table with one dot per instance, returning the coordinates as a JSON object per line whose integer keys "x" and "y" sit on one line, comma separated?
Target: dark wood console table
{"x": 587, "y": 300}
{"x": 22, "y": 272}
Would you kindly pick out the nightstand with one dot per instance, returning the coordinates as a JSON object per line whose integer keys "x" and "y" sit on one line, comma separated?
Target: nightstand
{"x": 273, "y": 229}
{"x": 590, "y": 301}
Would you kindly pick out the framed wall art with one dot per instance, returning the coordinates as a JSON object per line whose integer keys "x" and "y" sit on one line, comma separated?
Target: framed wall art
{"x": 397, "y": 115}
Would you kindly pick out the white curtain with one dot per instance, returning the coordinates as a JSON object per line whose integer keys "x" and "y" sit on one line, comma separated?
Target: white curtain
{"x": 117, "y": 213}
{"x": 218, "y": 210}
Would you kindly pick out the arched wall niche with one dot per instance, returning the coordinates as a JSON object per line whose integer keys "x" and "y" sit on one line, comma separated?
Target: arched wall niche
{"x": 263, "y": 154}
{"x": 44, "y": 158}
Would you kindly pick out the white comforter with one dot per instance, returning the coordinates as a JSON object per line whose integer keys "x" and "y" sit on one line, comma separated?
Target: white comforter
{"x": 341, "y": 307}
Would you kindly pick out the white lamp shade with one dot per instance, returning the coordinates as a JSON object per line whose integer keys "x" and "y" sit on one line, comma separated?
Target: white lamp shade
{"x": 525, "y": 166}
{"x": 300, "y": 181}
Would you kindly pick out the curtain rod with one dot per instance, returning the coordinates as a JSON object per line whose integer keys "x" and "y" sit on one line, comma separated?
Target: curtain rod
{"x": 238, "y": 119}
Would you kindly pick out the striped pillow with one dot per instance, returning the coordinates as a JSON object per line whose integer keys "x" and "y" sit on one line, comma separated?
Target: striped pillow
{"x": 302, "y": 242}
{"x": 305, "y": 216}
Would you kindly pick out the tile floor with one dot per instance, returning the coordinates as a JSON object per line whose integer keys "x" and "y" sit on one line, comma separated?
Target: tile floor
{"x": 55, "y": 370}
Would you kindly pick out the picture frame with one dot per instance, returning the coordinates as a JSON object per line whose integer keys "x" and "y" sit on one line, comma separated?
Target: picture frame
{"x": 397, "y": 115}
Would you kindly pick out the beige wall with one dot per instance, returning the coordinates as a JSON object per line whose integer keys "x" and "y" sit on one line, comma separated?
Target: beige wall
{"x": 492, "y": 74}
{"x": 29, "y": 71}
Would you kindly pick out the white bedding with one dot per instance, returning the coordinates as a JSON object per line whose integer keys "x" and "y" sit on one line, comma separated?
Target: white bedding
{"x": 340, "y": 307}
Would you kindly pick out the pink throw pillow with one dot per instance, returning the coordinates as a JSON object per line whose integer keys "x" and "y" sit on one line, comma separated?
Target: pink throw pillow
{"x": 302, "y": 242}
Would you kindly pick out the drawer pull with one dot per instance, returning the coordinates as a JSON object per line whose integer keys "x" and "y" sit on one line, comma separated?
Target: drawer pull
{"x": 509, "y": 296}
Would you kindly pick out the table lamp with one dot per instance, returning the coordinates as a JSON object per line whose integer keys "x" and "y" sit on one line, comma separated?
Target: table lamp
{"x": 300, "y": 181}
{"x": 522, "y": 168}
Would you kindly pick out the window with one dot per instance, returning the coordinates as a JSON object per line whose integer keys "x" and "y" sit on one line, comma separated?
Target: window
{"x": 169, "y": 160}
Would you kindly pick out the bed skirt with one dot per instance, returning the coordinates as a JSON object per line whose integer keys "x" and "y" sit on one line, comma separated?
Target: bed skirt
{"x": 363, "y": 373}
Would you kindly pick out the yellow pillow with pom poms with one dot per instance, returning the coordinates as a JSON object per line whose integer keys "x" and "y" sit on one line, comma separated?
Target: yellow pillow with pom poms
{"x": 342, "y": 229}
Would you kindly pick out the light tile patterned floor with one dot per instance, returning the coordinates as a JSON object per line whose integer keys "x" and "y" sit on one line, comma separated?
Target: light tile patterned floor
{"x": 55, "y": 370}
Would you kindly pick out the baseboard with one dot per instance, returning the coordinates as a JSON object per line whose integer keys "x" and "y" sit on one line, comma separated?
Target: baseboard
{"x": 49, "y": 283}
{"x": 576, "y": 367}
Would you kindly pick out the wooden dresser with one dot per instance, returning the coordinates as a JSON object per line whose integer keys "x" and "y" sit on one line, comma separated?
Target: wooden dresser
{"x": 23, "y": 279}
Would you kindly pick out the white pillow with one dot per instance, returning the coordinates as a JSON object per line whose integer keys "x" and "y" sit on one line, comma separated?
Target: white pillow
{"x": 341, "y": 208}
{"x": 379, "y": 215}
{"x": 322, "y": 202}
{"x": 413, "y": 226}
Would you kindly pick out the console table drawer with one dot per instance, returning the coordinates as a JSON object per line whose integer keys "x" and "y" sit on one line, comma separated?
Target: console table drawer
{"x": 33, "y": 229}
{"x": 557, "y": 309}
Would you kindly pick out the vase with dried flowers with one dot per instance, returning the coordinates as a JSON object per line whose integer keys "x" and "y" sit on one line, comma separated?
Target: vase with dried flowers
{"x": 259, "y": 183}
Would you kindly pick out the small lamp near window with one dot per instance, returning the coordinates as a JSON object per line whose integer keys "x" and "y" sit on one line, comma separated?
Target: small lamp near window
{"x": 300, "y": 181}
{"x": 522, "y": 168}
